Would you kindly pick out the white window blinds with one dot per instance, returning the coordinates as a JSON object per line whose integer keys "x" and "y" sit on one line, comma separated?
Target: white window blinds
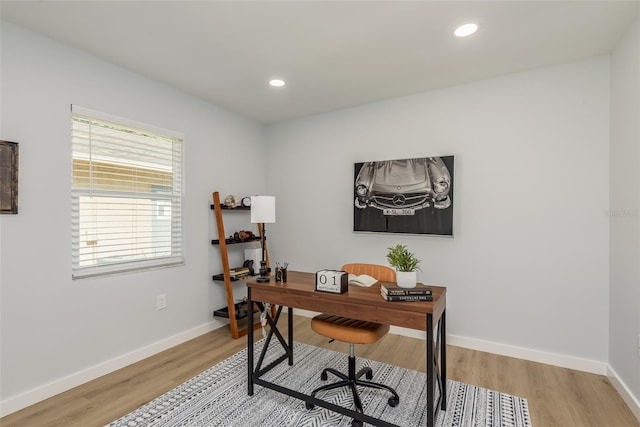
{"x": 126, "y": 195}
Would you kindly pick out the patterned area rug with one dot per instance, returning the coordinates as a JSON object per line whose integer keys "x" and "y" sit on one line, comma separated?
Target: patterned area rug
{"x": 218, "y": 397}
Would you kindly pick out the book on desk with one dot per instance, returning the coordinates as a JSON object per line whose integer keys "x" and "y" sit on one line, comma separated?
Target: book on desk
{"x": 396, "y": 293}
{"x": 362, "y": 280}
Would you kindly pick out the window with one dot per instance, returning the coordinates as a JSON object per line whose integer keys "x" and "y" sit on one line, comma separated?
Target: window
{"x": 126, "y": 195}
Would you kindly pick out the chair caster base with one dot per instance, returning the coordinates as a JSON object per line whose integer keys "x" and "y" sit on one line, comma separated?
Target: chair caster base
{"x": 366, "y": 371}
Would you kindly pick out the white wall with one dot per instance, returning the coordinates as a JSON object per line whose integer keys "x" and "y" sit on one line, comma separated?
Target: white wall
{"x": 52, "y": 326}
{"x": 528, "y": 266}
{"x": 624, "y": 329}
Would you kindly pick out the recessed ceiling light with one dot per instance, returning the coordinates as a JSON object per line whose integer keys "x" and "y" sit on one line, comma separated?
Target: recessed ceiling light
{"x": 465, "y": 30}
{"x": 276, "y": 82}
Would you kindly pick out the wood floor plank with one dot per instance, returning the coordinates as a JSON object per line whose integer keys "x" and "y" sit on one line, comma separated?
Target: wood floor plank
{"x": 557, "y": 396}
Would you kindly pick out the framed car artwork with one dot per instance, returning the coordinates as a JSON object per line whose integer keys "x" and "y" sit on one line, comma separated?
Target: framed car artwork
{"x": 413, "y": 196}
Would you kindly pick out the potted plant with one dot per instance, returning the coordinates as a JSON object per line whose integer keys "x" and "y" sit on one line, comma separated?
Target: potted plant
{"x": 405, "y": 264}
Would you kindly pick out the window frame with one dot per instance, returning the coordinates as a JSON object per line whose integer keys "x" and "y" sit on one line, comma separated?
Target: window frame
{"x": 175, "y": 198}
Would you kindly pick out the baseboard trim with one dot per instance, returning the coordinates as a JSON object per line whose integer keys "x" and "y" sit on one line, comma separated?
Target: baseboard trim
{"x": 31, "y": 397}
{"x": 560, "y": 360}
{"x": 585, "y": 365}
{"x": 28, "y": 398}
{"x": 624, "y": 391}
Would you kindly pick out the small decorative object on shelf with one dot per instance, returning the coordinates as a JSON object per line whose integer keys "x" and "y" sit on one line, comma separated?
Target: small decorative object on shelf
{"x": 405, "y": 264}
{"x": 246, "y": 202}
{"x": 248, "y": 264}
{"x": 237, "y": 273}
{"x": 231, "y": 201}
{"x": 242, "y": 236}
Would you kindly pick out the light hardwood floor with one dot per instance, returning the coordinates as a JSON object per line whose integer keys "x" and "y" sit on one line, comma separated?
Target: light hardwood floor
{"x": 557, "y": 396}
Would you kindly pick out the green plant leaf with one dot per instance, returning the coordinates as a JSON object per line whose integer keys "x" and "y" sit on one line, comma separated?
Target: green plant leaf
{"x": 403, "y": 260}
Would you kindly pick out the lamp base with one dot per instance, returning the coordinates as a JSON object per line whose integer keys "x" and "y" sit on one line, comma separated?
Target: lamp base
{"x": 263, "y": 271}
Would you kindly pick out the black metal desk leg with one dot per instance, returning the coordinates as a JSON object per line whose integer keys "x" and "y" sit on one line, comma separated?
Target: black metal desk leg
{"x": 430, "y": 377}
{"x": 290, "y": 337}
{"x": 443, "y": 361}
{"x": 250, "y": 346}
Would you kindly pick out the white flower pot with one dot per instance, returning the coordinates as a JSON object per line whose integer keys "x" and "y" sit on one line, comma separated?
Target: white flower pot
{"x": 406, "y": 279}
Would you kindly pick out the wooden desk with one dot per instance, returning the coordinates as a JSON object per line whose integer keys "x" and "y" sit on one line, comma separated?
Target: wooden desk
{"x": 359, "y": 303}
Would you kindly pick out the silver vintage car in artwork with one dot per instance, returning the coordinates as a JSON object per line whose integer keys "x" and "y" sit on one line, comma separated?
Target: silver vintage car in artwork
{"x": 400, "y": 187}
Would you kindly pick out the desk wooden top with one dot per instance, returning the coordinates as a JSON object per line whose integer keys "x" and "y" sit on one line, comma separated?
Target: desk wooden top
{"x": 363, "y": 303}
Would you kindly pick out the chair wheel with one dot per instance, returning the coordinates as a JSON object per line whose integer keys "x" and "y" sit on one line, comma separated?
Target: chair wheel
{"x": 393, "y": 402}
{"x": 308, "y": 405}
{"x": 369, "y": 374}
{"x": 323, "y": 376}
{"x": 356, "y": 423}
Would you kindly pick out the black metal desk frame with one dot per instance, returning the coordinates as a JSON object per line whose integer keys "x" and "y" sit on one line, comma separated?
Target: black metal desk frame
{"x": 433, "y": 350}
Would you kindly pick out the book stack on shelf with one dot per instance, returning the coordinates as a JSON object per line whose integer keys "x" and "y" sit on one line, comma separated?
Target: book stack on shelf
{"x": 235, "y": 274}
{"x": 396, "y": 293}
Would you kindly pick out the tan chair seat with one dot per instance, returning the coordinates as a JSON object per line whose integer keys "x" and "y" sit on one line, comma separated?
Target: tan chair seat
{"x": 348, "y": 330}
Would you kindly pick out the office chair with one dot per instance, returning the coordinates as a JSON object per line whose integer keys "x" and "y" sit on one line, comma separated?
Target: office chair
{"x": 354, "y": 332}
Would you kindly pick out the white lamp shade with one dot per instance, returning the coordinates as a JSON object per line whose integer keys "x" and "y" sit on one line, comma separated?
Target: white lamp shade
{"x": 263, "y": 209}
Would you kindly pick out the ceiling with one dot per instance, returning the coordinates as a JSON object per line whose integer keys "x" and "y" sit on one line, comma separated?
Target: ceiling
{"x": 332, "y": 54}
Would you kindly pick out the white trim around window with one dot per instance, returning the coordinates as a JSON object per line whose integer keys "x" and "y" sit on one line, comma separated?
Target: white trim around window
{"x": 126, "y": 195}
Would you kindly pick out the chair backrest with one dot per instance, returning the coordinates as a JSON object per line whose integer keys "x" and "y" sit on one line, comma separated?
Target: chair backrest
{"x": 380, "y": 272}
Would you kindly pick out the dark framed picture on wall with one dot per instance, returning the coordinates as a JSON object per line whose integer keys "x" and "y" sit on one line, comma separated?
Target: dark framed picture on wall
{"x": 8, "y": 177}
{"x": 413, "y": 196}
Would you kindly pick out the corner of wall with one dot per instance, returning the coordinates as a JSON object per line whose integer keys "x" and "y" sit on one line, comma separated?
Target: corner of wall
{"x": 624, "y": 391}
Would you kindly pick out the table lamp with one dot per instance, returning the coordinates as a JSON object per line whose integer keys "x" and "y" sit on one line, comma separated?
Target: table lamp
{"x": 263, "y": 211}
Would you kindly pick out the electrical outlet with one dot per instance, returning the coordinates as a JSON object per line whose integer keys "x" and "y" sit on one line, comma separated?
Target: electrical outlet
{"x": 161, "y": 301}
